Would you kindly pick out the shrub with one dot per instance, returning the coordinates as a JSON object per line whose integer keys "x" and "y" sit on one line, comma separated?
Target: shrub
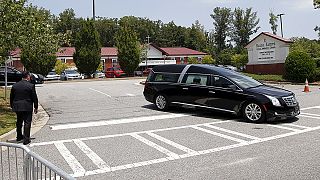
{"x": 207, "y": 59}
{"x": 299, "y": 66}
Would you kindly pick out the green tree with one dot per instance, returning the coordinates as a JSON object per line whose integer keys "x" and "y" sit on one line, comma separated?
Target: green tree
{"x": 60, "y": 66}
{"x": 172, "y": 35}
{"x": 316, "y": 3}
{"x": 193, "y": 60}
{"x": 239, "y": 60}
{"x": 221, "y": 22}
{"x": 13, "y": 15}
{"x": 273, "y": 22}
{"x": 299, "y": 66}
{"x": 207, "y": 59}
{"x": 196, "y": 38}
{"x": 88, "y": 48}
{"x": 67, "y": 23}
{"x": 244, "y": 24}
{"x": 107, "y": 28}
{"x": 129, "y": 49}
{"x": 224, "y": 57}
{"x": 41, "y": 44}
{"x": 312, "y": 47}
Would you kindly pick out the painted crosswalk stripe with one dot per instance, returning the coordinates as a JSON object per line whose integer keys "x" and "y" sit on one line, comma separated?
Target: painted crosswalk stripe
{"x": 174, "y": 144}
{"x": 219, "y": 134}
{"x": 92, "y": 155}
{"x": 232, "y": 132}
{"x": 70, "y": 159}
{"x": 283, "y": 127}
{"x": 116, "y": 121}
{"x": 156, "y": 146}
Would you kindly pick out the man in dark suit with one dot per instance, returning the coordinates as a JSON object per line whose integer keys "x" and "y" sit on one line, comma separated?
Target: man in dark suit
{"x": 22, "y": 99}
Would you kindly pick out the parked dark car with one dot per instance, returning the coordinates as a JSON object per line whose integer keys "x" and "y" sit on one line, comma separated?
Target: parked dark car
{"x": 217, "y": 88}
{"x": 13, "y": 75}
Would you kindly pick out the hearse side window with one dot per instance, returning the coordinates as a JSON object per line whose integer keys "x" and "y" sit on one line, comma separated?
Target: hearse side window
{"x": 196, "y": 79}
{"x": 221, "y": 82}
{"x": 165, "y": 77}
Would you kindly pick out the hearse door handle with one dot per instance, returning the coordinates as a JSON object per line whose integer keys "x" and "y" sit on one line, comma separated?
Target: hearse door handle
{"x": 212, "y": 92}
{"x": 185, "y": 88}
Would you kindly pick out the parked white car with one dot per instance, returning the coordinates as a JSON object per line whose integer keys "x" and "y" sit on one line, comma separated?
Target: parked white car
{"x": 70, "y": 74}
{"x": 52, "y": 76}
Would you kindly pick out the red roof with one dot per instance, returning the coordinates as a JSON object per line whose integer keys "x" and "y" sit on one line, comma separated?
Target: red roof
{"x": 271, "y": 35}
{"x": 109, "y": 51}
{"x": 181, "y": 51}
{"x": 112, "y": 51}
{"x": 66, "y": 52}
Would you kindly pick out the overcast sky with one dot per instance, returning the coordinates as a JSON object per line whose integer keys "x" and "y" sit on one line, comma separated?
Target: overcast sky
{"x": 299, "y": 20}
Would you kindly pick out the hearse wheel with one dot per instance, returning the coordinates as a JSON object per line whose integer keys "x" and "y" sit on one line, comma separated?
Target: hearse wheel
{"x": 254, "y": 112}
{"x": 161, "y": 102}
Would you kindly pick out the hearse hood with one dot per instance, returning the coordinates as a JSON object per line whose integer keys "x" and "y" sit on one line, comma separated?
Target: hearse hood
{"x": 269, "y": 90}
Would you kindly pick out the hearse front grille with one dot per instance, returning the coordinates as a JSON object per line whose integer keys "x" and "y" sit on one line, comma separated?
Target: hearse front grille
{"x": 290, "y": 100}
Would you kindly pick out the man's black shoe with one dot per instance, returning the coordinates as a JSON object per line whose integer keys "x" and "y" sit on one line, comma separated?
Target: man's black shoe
{"x": 26, "y": 142}
{"x": 19, "y": 140}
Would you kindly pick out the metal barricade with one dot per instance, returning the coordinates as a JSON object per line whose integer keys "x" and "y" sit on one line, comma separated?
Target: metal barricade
{"x": 19, "y": 162}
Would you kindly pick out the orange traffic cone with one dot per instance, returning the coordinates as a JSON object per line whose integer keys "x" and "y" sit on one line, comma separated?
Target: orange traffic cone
{"x": 306, "y": 87}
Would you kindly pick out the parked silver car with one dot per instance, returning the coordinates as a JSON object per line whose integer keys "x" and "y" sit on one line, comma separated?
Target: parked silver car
{"x": 52, "y": 75}
{"x": 70, "y": 74}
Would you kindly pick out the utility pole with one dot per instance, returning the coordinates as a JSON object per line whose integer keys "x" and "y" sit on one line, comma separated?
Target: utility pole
{"x": 93, "y": 11}
{"x": 280, "y": 15}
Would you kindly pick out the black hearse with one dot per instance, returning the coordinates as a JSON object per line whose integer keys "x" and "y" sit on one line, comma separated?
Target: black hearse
{"x": 217, "y": 88}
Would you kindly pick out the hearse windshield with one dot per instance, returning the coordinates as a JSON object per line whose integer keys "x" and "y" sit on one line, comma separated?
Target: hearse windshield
{"x": 245, "y": 81}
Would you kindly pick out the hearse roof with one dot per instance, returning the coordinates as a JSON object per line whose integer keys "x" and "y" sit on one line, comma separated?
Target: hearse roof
{"x": 195, "y": 68}
{"x": 170, "y": 68}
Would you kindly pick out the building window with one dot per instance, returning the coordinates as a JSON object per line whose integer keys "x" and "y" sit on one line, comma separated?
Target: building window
{"x": 63, "y": 60}
{"x": 114, "y": 62}
{"x": 182, "y": 60}
{"x": 103, "y": 64}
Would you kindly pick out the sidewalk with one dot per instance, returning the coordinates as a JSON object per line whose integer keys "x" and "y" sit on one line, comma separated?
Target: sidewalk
{"x": 38, "y": 121}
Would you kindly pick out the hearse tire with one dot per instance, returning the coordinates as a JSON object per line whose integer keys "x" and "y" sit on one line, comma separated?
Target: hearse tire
{"x": 253, "y": 112}
{"x": 161, "y": 102}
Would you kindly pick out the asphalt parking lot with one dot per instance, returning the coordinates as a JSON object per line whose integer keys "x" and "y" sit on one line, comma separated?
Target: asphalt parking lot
{"x": 107, "y": 130}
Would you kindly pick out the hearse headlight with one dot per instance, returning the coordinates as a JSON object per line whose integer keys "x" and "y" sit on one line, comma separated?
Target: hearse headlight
{"x": 274, "y": 100}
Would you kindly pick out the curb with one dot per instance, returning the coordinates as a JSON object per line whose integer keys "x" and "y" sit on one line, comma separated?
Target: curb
{"x": 38, "y": 121}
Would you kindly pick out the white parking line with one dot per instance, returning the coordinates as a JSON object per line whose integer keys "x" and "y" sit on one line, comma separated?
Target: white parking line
{"x": 219, "y": 134}
{"x": 70, "y": 159}
{"x": 131, "y": 95}
{"x": 313, "y": 107}
{"x": 100, "y": 92}
{"x": 232, "y": 132}
{"x": 92, "y": 155}
{"x": 309, "y": 114}
{"x": 299, "y": 126}
{"x": 117, "y": 121}
{"x": 283, "y": 127}
{"x": 156, "y": 146}
{"x": 125, "y": 134}
{"x": 208, "y": 151}
{"x": 174, "y": 144}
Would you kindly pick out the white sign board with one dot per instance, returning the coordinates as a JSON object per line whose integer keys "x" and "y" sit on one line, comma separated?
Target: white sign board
{"x": 157, "y": 62}
{"x": 266, "y": 50}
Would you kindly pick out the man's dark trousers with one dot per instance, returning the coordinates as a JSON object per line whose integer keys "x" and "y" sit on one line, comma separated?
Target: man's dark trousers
{"x": 24, "y": 117}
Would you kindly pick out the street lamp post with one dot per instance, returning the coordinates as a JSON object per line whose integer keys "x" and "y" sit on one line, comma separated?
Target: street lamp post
{"x": 93, "y": 10}
{"x": 280, "y": 15}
